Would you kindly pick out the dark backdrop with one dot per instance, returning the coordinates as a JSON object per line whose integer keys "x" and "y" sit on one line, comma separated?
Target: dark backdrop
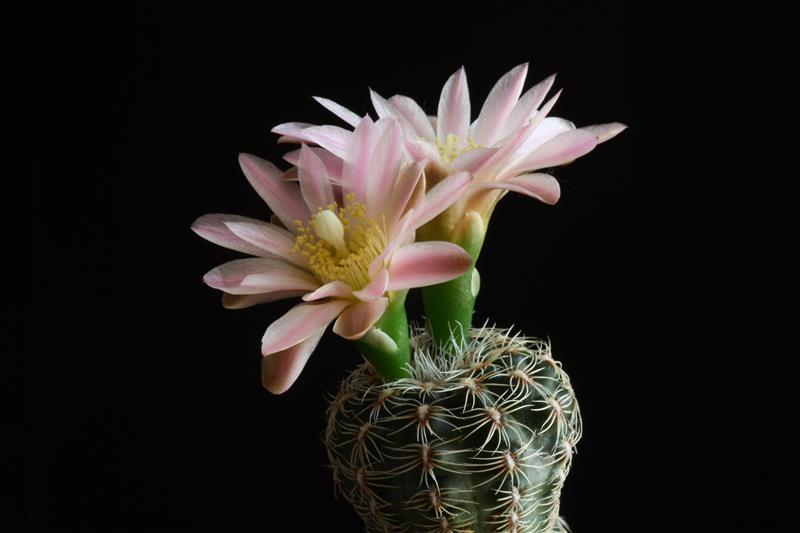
{"x": 662, "y": 277}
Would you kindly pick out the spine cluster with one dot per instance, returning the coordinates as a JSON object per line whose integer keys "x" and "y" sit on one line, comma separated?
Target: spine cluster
{"x": 478, "y": 441}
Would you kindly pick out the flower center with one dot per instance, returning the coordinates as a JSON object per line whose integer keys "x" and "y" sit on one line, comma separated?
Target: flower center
{"x": 451, "y": 148}
{"x": 340, "y": 243}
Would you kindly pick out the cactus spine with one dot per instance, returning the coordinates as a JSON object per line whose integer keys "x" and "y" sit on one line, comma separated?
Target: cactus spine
{"x": 477, "y": 441}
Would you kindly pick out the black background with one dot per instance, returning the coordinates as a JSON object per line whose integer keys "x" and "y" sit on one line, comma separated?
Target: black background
{"x": 663, "y": 277}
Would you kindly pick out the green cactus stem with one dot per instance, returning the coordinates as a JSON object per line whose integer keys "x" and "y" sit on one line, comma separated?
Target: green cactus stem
{"x": 477, "y": 440}
{"x": 385, "y": 345}
{"x": 449, "y": 306}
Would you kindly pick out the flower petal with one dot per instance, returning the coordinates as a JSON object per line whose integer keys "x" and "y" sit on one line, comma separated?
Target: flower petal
{"x": 315, "y": 184}
{"x": 354, "y": 322}
{"x": 605, "y": 132}
{"x": 281, "y": 369}
{"x": 547, "y": 129}
{"x": 415, "y": 116}
{"x": 259, "y": 275}
{"x": 559, "y": 150}
{"x": 241, "y": 301}
{"x": 498, "y": 105}
{"x": 358, "y": 159}
{"x": 474, "y": 160}
{"x": 332, "y": 138}
{"x": 281, "y": 196}
{"x": 268, "y": 239}
{"x": 426, "y": 263}
{"x": 299, "y": 323}
{"x": 334, "y": 289}
{"x": 385, "y": 163}
{"x": 440, "y": 197}
{"x": 454, "y": 110}
{"x": 527, "y": 105}
{"x": 333, "y": 165}
{"x": 375, "y": 288}
{"x": 401, "y": 194}
{"x": 543, "y": 187}
{"x": 339, "y": 110}
{"x": 214, "y": 228}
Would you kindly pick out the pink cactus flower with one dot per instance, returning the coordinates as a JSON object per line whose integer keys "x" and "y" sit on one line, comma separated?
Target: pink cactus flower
{"x": 343, "y": 241}
{"x": 504, "y": 149}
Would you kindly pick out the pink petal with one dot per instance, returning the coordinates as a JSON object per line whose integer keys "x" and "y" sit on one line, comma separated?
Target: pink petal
{"x": 454, "y": 108}
{"x": 415, "y": 116}
{"x": 527, "y": 105}
{"x": 282, "y": 197}
{"x": 358, "y": 160}
{"x": 386, "y": 110}
{"x": 474, "y": 160}
{"x": 213, "y": 228}
{"x": 401, "y": 194}
{"x": 334, "y": 289}
{"x": 426, "y": 263}
{"x": 548, "y": 128}
{"x": 385, "y": 165}
{"x": 559, "y": 150}
{"x": 259, "y": 275}
{"x": 269, "y": 239}
{"x": 281, "y": 369}
{"x": 375, "y": 288}
{"x": 241, "y": 301}
{"x": 299, "y": 323}
{"x": 332, "y": 138}
{"x": 422, "y": 150}
{"x": 291, "y": 131}
{"x": 498, "y": 106}
{"x": 333, "y": 165}
{"x": 440, "y": 197}
{"x": 339, "y": 110}
{"x": 315, "y": 184}
{"x": 543, "y": 187}
{"x": 354, "y": 322}
{"x": 606, "y": 132}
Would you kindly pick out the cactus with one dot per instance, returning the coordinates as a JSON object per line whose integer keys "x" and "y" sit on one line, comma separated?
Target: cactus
{"x": 478, "y": 441}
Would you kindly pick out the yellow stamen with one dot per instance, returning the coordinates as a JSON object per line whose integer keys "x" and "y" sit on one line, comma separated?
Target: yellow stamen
{"x": 451, "y": 148}
{"x": 340, "y": 243}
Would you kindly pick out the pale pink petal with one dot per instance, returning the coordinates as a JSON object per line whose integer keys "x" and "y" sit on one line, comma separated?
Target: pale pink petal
{"x": 358, "y": 160}
{"x": 268, "y": 238}
{"x": 422, "y": 150}
{"x": 332, "y": 138}
{"x": 454, "y": 110}
{"x": 334, "y": 289}
{"x": 548, "y": 128}
{"x": 559, "y": 150}
{"x": 474, "y": 160}
{"x": 415, "y": 116}
{"x": 354, "y": 322}
{"x": 280, "y": 370}
{"x": 605, "y": 132}
{"x": 291, "y": 131}
{"x": 426, "y": 263}
{"x": 385, "y": 165}
{"x": 543, "y": 187}
{"x": 299, "y": 323}
{"x": 282, "y": 197}
{"x": 339, "y": 110}
{"x": 213, "y": 228}
{"x": 315, "y": 184}
{"x": 241, "y": 301}
{"x": 401, "y": 194}
{"x": 440, "y": 197}
{"x": 386, "y": 109}
{"x": 527, "y": 105}
{"x": 333, "y": 165}
{"x": 498, "y": 106}
{"x": 259, "y": 275}
{"x": 375, "y": 288}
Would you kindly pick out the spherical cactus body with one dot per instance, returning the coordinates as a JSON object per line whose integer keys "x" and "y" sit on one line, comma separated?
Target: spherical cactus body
{"x": 479, "y": 439}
